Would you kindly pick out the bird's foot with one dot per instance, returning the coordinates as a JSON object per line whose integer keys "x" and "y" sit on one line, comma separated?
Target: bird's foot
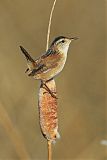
{"x": 53, "y": 94}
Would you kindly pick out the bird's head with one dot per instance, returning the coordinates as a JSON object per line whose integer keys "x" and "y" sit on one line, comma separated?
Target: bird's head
{"x": 62, "y": 43}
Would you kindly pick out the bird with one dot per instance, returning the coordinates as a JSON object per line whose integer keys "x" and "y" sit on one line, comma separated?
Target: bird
{"x": 49, "y": 64}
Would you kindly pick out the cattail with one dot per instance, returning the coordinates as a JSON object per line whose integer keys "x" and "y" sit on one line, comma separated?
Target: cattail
{"x": 48, "y": 112}
{"x": 48, "y": 104}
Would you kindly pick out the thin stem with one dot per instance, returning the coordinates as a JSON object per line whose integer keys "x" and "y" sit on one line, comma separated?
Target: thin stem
{"x": 47, "y": 46}
{"x": 49, "y": 25}
{"x": 49, "y": 150}
{"x": 13, "y": 134}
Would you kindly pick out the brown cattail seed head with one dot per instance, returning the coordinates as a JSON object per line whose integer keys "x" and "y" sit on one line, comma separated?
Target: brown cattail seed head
{"x": 48, "y": 111}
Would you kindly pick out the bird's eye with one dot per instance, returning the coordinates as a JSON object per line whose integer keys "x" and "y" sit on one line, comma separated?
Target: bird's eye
{"x": 62, "y": 41}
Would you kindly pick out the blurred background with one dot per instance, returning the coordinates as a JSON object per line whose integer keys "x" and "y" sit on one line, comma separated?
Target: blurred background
{"x": 81, "y": 85}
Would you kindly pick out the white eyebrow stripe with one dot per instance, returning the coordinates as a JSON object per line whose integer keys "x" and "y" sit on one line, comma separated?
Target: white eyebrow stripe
{"x": 60, "y": 40}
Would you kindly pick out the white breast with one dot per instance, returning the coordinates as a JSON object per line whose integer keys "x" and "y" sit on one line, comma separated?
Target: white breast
{"x": 64, "y": 49}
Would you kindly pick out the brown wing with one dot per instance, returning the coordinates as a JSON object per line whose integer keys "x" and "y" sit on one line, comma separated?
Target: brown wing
{"x": 46, "y": 62}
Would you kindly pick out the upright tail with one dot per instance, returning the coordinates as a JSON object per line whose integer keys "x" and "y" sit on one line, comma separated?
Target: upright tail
{"x": 27, "y": 55}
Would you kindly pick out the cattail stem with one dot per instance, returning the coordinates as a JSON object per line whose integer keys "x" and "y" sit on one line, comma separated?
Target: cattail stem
{"x": 49, "y": 150}
{"x": 48, "y": 104}
{"x": 49, "y": 25}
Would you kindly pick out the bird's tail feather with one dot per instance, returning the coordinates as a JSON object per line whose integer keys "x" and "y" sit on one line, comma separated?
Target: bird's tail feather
{"x": 27, "y": 55}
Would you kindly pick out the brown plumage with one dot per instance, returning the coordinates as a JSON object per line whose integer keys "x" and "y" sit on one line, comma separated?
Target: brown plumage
{"x": 51, "y": 63}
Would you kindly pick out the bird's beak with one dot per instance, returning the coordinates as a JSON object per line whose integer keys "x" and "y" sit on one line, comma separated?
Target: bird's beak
{"x": 74, "y": 38}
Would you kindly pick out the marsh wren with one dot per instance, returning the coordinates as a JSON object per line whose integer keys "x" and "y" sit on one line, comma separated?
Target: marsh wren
{"x": 51, "y": 63}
